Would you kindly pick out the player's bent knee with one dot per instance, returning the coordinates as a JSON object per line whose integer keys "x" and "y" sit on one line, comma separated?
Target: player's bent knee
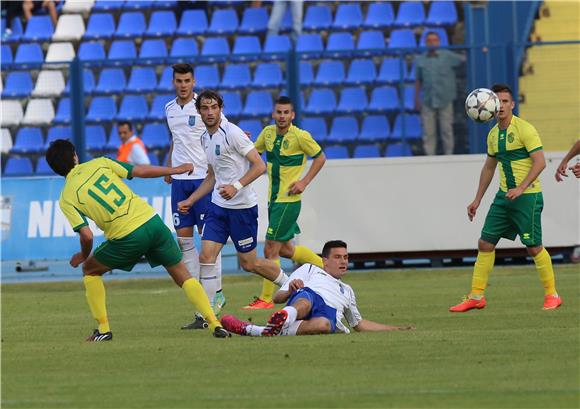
{"x": 486, "y": 246}
{"x": 534, "y": 251}
{"x": 248, "y": 265}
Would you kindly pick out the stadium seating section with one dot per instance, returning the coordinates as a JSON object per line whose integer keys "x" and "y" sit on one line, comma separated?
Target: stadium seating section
{"x": 355, "y": 71}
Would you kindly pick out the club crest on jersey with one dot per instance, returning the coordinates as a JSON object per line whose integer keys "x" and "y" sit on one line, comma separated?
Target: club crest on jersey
{"x": 217, "y": 150}
{"x": 510, "y": 137}
{"x": 285, "y": 144}
{"x": 191, "y": 120}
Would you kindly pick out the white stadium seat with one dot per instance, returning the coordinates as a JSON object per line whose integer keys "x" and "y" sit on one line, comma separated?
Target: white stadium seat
{"x": 60, "y": 52}
{"x": 69, "y": 27}
{"x": 78, "y": 6}
{"x": 38, "y": 112}
{"x": 49, "y": 84}
{"x": 6, "y": 141}
{"x": 11, "y": 112}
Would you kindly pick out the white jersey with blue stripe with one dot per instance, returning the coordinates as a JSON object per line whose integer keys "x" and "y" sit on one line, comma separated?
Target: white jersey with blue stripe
{"x": 333, "y": 291}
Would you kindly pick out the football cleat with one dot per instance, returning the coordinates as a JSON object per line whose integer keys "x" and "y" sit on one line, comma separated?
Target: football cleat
{"x": 468, "y": 304}
{"x": 219, "y": 332}
{"x": 96, "y": 336}
{"x": 551, "y": 302}
{"x": 259, "y": 304}
{"x": 235, "y": 325}
{"x": 218, "y": 303}
{"x": 275, "y": 324}
{"x": 198, "y": 323}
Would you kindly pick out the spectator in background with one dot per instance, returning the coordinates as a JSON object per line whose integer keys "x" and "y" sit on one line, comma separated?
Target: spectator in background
{"x": 132, "y": 149}
{"x": 436, "y": 78}
{"x": 277, "y": 14}
{"x": 31, "y": 7}
{"x": 10, "y": 11}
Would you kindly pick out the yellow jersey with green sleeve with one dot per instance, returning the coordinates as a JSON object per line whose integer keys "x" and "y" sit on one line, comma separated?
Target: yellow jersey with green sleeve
{"x": 94, "y": 190}
{"x": 286, "y": 157}
{"x": 512, "y": 148}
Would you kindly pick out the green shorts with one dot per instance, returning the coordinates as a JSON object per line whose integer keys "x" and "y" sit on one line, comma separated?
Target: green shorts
{"x": 152, "y": 240}
{"x": 282, "y": 219}
{"x": 508, "y": 219}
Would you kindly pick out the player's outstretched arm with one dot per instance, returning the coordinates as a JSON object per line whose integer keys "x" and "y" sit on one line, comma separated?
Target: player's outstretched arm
{"x": 203, "y": 189}
{"x": 485, "y": 179}
{"x": 86, "y": 239}
{"x": 367, "y": 325}
{"x": 148, "y": 171}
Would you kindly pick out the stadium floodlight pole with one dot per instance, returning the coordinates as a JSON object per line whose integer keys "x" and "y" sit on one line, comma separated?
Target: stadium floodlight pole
{"x": 77, "y": 108}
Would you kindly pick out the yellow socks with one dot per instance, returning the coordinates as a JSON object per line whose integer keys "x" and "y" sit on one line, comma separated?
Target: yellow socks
{"x": 303, "y": 255}
{"x": 544, "y": 266}
{"x": 481, "y": 270}
{"x": 95, "y": 293}
{"x": 198, "y": 298}
{"x": 268, "y": 287}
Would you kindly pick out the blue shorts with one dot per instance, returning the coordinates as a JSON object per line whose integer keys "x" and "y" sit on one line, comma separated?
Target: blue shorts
{"x": 239, "y": 224}
{"x": 319, "y": 307}
{"x": 181, "y": 189}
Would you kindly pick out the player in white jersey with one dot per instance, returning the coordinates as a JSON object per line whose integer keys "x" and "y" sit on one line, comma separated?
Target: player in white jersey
{"x": 233, "y": 164}
{"x": 186, "y": 129}
{"x": 317, "y": 301}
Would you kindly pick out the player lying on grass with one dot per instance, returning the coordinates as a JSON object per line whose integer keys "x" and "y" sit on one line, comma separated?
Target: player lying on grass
{"x": 317, "y": 300}
{"x": 94, "y": 190}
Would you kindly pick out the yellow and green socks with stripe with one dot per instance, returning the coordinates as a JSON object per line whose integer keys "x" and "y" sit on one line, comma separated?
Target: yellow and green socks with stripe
{"x": 95, "y": 293}
{"x": 481, "y": 270}
{"x": 268, "y": 287}
{"x": 546, "y": 272}
{"x": 303, "y": 255}
{"x": 195, "y": 293}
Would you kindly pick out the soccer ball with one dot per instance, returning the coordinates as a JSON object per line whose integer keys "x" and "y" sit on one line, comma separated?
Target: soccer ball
{"x": 482, "y": 105}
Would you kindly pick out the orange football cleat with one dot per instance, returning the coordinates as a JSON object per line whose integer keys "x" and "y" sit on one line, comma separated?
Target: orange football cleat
{"x": 468, "y": 304}
{"x": 259, "y": 304}
{"x": 551, "y": 302}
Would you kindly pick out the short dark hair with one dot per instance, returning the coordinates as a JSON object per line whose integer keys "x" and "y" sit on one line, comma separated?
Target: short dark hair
{"x": 283, "y": 100}
{"x": 182, "y": 68}
{"x": 123, "y": 123}
{"x": 502, "y": 88}
{"x": 208, "y": 94}
{"x": 332, "y": 244}
{"x": 60, "y": 156}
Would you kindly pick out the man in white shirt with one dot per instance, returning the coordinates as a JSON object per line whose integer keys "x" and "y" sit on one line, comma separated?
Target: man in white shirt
{"x": 233, "y": 164}
{"x": 132, "y": 149}
{"x": 317, "y": 301}
{"x": 186, "y": 129}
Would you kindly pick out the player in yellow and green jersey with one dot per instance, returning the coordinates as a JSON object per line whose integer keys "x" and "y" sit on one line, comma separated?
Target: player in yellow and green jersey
{"x": 94, "y": 190}
{"x": 517, "y": 206}
{"x": 287, "y": 150}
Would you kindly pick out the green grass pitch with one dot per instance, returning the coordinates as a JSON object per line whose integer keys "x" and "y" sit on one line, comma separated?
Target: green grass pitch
{"x": 509, "y": 355}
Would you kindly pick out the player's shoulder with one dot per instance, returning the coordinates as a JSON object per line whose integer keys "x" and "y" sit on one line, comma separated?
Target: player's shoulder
{"x": 170, "y": 104}
{"x": 299, "y": 132}
{"x": 231, "y": 129}
{"x": 493, "y": 131}
{"x": 523, "y": 126}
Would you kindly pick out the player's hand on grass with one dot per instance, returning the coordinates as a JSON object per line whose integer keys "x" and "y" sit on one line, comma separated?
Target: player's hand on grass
{"x": 472, "y": 209}
{"x": 514, "y": 193}
{"x": 77, "y": 259}
{"x": 185, "y": 168}
{"x": 184, "y": 206}
{"x": 227, "y": 191}
{"x": 297, "y": 188}
{"x": 295, "y": 285}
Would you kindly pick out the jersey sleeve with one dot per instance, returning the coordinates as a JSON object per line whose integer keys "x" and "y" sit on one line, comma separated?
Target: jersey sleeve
{"x": 241, "y": 142}
{"x": 531, "y": 139}
{"x": 309, "y": 145}
{"x": 121, "y": 169}
{"x": 260, "y": 143}
{"x": 302, "y": 273}
{"x": 351, "y": 313}
{"x": 76, "y": 219}
{"x": 490, "y": 150}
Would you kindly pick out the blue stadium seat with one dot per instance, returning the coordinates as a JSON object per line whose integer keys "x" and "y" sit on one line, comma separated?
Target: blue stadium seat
{"x": 99, "y": 27}
{"x": 440, "y": 31}
{"x": 111, "y": 81}
{"x": 375, "y": 128}
{"x": 380, "y": 15}
{"x": 336, "y": 152}
{"x": 366, "y": 151}
{"x": 165, "y": 81}
{"x": 352, "y": 100}
{"x": 122, "y": 52}
{"x": 398, "y": 149}
{"x": 137, "y": 5}
{"x": 412, "y": 127}
{"x": 232, "y": 104}
{"x": 142, "y": 80}
{"x": 276, "y": 47}
{"x": 317, "y": 128}
{"x": 286, "y": 24}
{"x": 161, "y": 24}
{"x": 193, "y": 22}
{"x": 207, "y": 76}
{"x": 258, "y": 103}
{"x": 253, "y": 126}
{"x": 215, "y": 49}
{"x": 29, "y": 56}
{"x": 236, "y": 76}
{"x": 223, "y": 22}
{"x": 156, "y": 136}
{"x": 254, "y": 21}
{"x": 184, "y": 47}
{"x": 410, "y": 14}
{"x": 62, "y": 112}
{"x": 102, "y": 109}
{"x": 88, "y": 82}
{"x": 58, "y": 132}
{"x": 92, "y": 51}
{"x": 340, "y": 44}
{"x": 42, "y": 168}
{"x": 321, "y": 101}
{"x": 410, "y": 74}
{"x": 18, "y": 85}
{"x": 306, "y": 74}
{"x": 38, "y": 29}
{"x": 370, "y": 41}
{"x": 344, "y": 129}
{"x": 310, "y": 44}
{"x": 18, "y": 166}
{"x": 402, "y": 38}
{"x": 330, "y": 72}
{"x": 133, "y": 108}
{"x": 16, "y": 34}
{"x": 268, "y": 75}
{"x": 246, "y": 45}
{"x": 153, "y": 158}
{"x": 165, "y": 4}
{"x": 409, "y": 97}
{"x": 317, "y": 18}
{"x": 361, "y": 72}
{"x": 131, "y": 25}
{"x": 348, "y": 17}
{"x": 384, "y": 99}
{"x": 390, "y": 71}
{"x": 153, "y": 51}
{"x": 96, "y": 138}
{"x": 108, "y": 5}
{"x": 442, "y": 13}
{"x": 6, "y": 56}
{"x": 28, "y": 140}
{"x": 157, "y": 112}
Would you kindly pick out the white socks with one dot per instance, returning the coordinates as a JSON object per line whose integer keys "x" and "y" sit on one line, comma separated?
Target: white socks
{"x": 282, "y": 278}
{"x": 292, "y": 329}
{"x": 190, "y": 256}
{"x": 209, "y": 280}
